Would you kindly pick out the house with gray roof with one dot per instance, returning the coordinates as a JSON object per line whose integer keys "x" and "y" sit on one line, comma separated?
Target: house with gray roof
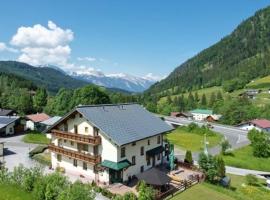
{"x": 9, "y": 125}
{"x": 108, "y": 143}
{"x": 7, "y": 112}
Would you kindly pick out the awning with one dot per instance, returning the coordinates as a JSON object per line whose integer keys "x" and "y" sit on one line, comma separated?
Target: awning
{"x": 154, "y": 176}
{"x": 155, "y": 151}
{"x": 116, "y": 165}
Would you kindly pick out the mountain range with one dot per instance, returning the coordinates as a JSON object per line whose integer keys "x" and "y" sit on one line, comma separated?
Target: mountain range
{"x": 239, "y": 58}
{"x": 53, "y": 78}
{"x": 121, "y": 81}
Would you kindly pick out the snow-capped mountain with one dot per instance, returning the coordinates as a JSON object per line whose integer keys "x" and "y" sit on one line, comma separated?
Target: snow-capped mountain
{"x": 121, "y": 81}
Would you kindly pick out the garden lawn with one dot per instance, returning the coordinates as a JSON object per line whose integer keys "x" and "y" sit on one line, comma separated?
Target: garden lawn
{"x": 201, "y": 192}
{"x": 191, "y": 141}
{"x": 9, "y": 192}
{"x": 238, "y": 191}
{"x": 243, "y": 158}
{"x": 36, "y": 138}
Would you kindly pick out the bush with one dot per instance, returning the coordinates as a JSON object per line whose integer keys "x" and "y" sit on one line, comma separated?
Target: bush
{"x": 146, "y": 192}
{"x": 251, "y": 179}
{"x": 37, "y": 150}
{"x": 129, "y": 196}
{"x": 260, "y": 142}
{"x": 225, "y": 146}
{"x": 188, "y": 157}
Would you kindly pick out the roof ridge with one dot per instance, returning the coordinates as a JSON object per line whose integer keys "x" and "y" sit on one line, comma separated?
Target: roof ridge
{"x": 101, "y": 105}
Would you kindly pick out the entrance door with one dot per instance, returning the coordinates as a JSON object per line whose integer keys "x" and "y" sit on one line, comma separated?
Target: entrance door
{"x": 116, "y": 176}
{"x": 154, "y": 161}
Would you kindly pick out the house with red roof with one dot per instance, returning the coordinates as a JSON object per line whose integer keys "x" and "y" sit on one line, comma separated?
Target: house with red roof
{"x": 258, "y": 124}
{"x": 33, "y": 122}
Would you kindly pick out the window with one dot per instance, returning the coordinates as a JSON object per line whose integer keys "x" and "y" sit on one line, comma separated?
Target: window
{"x": 95, "y": 131}
{"x": 123, "y": 152}
{"x": 84, "y": 166}
{"x": 133, "y": 160}
{"x": 65, "y": 141}
{"x": 59, "y": 157}
{"x": 148, "y": 142}
{"x": 75, "y": 129}
{"x": 71, "y": 143}
{"x": 142, "y": 151}
{"x": 148, "y": 160}
{"x": 65, "y": 127}
{"x": 142, "y": 168}
{"x": 95, "y": 150}
{"x": 85, "y": 147}
{"x": 86, "y": 129}
{"x": 158, "y": 139}
{"x": 133, "y": 143}
{"x": 75, "y": 164}
{"x": 10, "y": 130}
{"x": 158, "y": 156}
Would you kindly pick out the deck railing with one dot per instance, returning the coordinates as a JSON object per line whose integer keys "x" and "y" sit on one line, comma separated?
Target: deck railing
{"x": 75, "y": 154}
{"x": 85, "y": 139}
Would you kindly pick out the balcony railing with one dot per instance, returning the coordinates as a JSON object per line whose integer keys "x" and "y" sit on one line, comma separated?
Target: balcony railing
{"x": 85, "y": 139}
{"x": 75, "y": 155}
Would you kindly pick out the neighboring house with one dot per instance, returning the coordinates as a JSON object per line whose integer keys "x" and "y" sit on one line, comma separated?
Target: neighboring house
{"x": 186, "y": 115}
{"x": 212, "y": 118}
{"x": 7, "y": 112}
{"x": 49, "y": 122}
{"x": 258, "y": 124}
{"x": 250, "y": 93}
{"x": 10, "y": 125}
{"x": 33, "y": 121}
{"x": 108, "y": 143}
{"x": 201, "y": 114}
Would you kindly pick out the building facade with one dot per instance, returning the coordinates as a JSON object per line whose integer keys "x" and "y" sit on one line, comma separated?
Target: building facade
{"x": 108, "y": 143}
{"x": 258, "y": 124}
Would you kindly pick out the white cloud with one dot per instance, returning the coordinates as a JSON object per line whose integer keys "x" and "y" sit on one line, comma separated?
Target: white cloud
{"x": 41, "y": 45}
{"x": 88, "y": 58}
{"x": 4, "y": 47}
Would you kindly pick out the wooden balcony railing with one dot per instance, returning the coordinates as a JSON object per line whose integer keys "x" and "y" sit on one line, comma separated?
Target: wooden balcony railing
{"x": 85, "y": 139}
{"x": 75, "y": 155}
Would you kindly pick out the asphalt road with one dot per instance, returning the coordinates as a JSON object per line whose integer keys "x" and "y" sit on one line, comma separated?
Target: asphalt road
{"x": 236, "y": 137}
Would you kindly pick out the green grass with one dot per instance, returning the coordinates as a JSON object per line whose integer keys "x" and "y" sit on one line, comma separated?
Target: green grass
{"x": 43, "y": 158}
{"x": 260, "y": 83}
{"x": 190, "y": 140}
{"x": 243, "y": 158}
{"x": 9, "y": 192}
{"x": 36, "y": 138}
{"x": 206, "y": 91}
{"x": 238, "y": 191}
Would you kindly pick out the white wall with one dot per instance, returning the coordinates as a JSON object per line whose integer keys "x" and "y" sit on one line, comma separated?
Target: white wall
{"x": 30, "y": 125}
{"x": 199, "y": 117}
{"x": 10, "y": 129}
{"x": 140, "y": 160}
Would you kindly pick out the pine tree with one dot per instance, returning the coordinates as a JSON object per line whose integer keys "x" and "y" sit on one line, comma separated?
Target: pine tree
{"x": 219, "y": 96}
{"x": 203, "y": 101}
{"x": 191, "y": 102}
{"x": 212, "y": 100}
{"x": 40, "y": 99}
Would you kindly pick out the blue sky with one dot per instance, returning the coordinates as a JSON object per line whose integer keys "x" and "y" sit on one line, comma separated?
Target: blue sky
{"x": 134, "y": 37}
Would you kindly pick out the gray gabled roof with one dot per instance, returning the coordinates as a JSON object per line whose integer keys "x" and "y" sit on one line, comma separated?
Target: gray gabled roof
{"x": 51, "y": 121}
{"x": 5, "y": 112}
{"x": 6, "y": 120}
{"x": 122, "y": 123}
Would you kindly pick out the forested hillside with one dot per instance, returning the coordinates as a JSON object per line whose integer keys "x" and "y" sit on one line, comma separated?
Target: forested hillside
{"x": 46, "y": 77}
{"x": 234, "y": 61}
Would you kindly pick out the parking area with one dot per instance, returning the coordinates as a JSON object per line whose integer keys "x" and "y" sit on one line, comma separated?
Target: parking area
{"x": 16, "y": 152}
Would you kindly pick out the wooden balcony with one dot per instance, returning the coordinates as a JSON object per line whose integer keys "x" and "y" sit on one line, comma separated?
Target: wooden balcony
{"x": 75, "y": 154}
{"x": 85, "y": 139}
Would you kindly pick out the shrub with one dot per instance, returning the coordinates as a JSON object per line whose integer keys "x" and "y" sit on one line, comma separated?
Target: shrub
{"x": 37, "y": 150}
{"x": 260, "y": 142}
{"x": 129, "y": 196}
{"x": 146, "y": 192}
{"x": 188, "y": 157}
{"x": 251, "y": 179}
{"x": 225, "y": 146}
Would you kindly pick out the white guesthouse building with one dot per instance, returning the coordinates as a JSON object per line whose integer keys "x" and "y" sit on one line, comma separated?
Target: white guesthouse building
{"x": 108, "y": 143}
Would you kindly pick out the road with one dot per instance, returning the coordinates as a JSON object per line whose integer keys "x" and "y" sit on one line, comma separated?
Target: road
{"x": 236, "y": 137}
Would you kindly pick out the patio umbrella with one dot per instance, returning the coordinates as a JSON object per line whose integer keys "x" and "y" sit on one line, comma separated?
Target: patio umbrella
{"x": 154, "y": 176}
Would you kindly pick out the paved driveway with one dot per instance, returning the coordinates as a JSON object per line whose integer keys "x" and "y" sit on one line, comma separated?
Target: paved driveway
{"x": 16, "y": 152}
